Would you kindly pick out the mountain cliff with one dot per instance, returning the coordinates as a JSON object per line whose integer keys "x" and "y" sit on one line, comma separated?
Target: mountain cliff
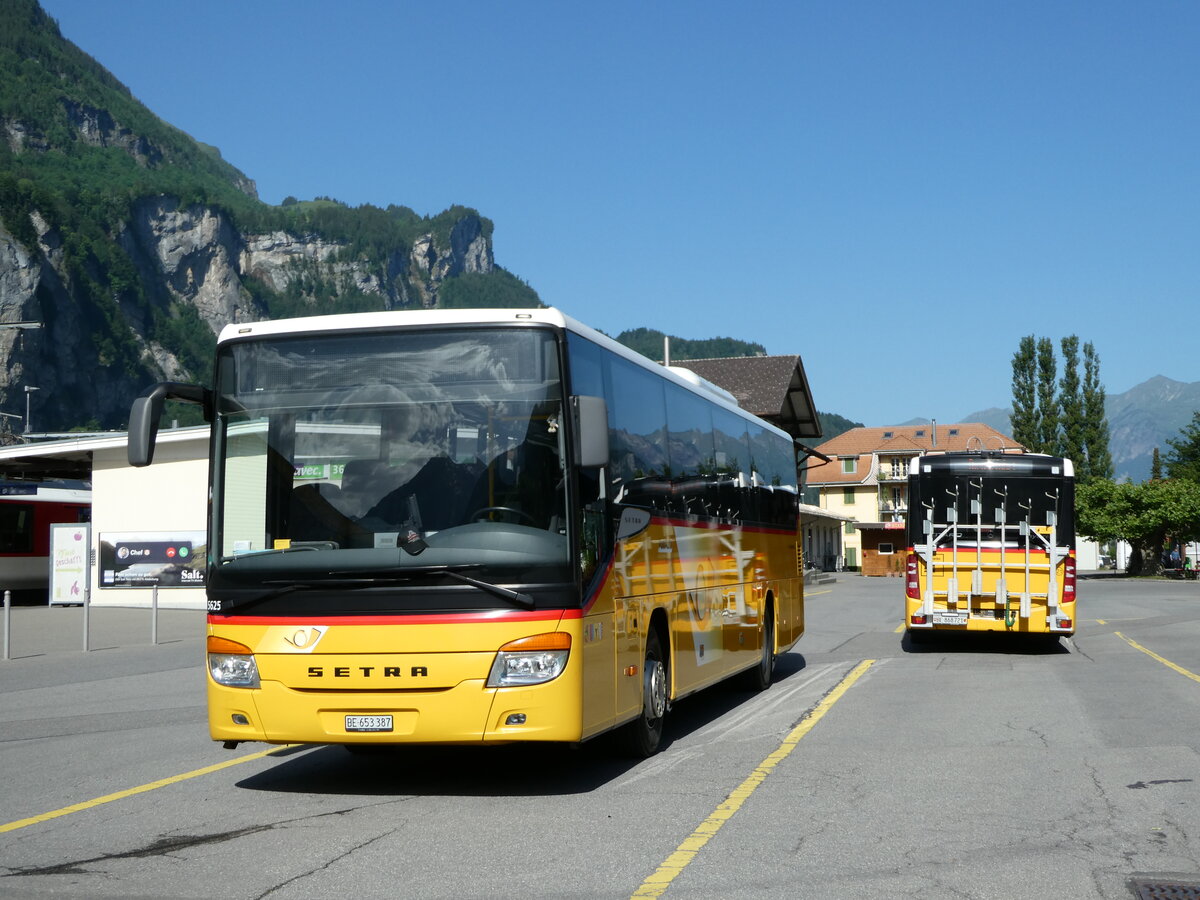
{"x": 130, "y": 244}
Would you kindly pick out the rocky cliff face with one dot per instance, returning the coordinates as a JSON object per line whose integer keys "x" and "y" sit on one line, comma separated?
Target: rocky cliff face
{"x": 185, "y": 257}
{"x": 128, "y": 284}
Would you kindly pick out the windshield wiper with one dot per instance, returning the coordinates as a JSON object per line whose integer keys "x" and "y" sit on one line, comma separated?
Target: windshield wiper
{"x": 516, "y": 597}
{"x": 520, "y": 599}
{"x": 288, "y": 587}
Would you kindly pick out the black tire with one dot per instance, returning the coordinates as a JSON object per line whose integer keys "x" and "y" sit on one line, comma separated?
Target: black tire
{"x": 643, "y": 735}
{"x": 759, "y": 678}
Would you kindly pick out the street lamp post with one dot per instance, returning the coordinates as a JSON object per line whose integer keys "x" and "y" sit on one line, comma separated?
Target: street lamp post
{"x": 29, "y": 389}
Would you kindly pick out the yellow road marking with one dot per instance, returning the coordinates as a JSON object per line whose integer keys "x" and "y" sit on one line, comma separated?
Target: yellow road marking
{"x": 814, "y": 593}
{"x": 141, "y": 789}
{"x": 1101, "y": 622}
{"x": 1166, "y": 662}
{"x": 899, "y": 628}
{"x": 657, "y": 884}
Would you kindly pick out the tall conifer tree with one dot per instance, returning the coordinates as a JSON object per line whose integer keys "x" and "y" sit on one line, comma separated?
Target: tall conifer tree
{"x": 1048, "y": 407}
{"x": 1097, "y": 461}
{"x": 1024, "y": 417}
{"x": 1184, "y": 459}
{"x": 1070, "y": 401}
{"x": 1062, "y": 418}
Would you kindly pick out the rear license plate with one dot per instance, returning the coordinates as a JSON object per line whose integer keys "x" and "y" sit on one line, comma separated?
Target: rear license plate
{"x": 950, "y": 618}
{"x": 368, "y": 723}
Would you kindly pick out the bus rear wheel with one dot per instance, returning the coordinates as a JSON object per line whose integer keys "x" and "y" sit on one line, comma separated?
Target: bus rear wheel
{"x": 759, "y": 678}
{"x": 644, "y": 734}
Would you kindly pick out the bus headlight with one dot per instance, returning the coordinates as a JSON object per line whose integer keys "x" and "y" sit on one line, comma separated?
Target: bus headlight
{"x": 231, "y": 664}
{"x": 531, "y": 660}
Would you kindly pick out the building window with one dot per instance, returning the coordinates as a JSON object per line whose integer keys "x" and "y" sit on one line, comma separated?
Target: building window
{"x": 848, "y": 496}
{"x": 850, "y": 466}
{"x": 888, "y": 434}
{"x": 849, "y": 528}
{"x": 920, "y": 432}
{"x": 887, "y": 549}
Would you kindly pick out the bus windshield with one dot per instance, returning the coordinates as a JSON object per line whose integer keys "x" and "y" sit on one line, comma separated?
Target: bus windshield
{"x": 344, "y": 455}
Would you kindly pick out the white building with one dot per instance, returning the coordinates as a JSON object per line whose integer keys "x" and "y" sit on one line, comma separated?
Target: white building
{"x": 163, "y": 506}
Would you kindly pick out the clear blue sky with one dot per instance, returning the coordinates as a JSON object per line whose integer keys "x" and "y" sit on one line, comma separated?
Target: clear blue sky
{"x": 898, "y": 192}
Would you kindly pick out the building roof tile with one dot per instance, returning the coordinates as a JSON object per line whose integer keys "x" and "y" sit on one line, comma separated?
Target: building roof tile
{"x": 911, "y": 440}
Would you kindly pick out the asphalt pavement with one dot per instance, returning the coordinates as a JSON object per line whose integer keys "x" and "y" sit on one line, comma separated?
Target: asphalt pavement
{"x": 37, "y": 632}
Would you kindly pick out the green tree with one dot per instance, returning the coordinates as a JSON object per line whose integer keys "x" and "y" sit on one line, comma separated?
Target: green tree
{"x": 1070, "y": 402}
{"x": 1156, "y": 469}
{"x": 1024, "y": 417}
{"x": 1184, "y": 459}
{"x": 1146, "y": 515}
{"x": 1048, "y": 406}
{"x": 1097, "y": 459}
{"x": 1068, "y": 422}
{"x": 649, "y": 343}
{"x": 832, "y": 425}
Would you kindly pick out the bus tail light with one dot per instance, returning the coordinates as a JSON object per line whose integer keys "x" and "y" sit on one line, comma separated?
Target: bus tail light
{"x": 912, "y": 587}
{"x": 531, "y": 660}
{"x": 1068, "y": 592}
{"x": 231, "y": 663}
{"x": 919, "y": 619}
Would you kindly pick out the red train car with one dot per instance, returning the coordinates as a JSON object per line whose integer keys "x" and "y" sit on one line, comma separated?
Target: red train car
{"x": 27, "y": 510}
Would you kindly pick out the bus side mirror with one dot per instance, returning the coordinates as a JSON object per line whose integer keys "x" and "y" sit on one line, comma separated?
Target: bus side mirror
{"x": 147, "y": 410}
{"x": 591, "y": 431}
{"x": 143, "y": 429}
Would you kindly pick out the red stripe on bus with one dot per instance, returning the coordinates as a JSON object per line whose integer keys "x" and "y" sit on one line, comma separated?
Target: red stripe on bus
{"x": 498, "y": 615}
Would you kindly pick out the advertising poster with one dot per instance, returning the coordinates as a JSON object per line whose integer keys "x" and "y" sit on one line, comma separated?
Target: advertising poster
{"x": 69, "y": 556}
{"x": 152, "y": 559}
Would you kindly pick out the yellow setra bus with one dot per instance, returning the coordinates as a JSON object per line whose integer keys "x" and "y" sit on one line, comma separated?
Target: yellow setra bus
{"x": 476, "y": 527}
{"x": 991, "y": 544}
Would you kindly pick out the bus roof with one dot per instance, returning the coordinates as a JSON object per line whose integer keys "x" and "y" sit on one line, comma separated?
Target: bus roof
{"x": 992, "y": 461}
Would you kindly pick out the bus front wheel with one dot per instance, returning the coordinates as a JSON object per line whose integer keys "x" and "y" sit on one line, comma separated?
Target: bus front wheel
{"x": 644, "y": 734}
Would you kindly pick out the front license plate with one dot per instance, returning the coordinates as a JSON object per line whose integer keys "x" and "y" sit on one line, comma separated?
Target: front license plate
{"x": 368, "y": 723}
{"x": 950, "y": 618}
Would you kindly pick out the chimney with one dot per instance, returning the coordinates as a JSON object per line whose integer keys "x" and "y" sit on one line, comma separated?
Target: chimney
{"x": 935, "y": 434}
{"x": 666, "y": 350}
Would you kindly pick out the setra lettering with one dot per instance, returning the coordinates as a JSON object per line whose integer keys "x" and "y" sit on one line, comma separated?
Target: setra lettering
{"x": 369, "y": 671}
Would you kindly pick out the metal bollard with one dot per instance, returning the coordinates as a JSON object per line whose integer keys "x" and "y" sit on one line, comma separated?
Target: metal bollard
{"x": 87, "y": 609}
{"x": 7, "y": 624}
{"x": 154, "y": 614}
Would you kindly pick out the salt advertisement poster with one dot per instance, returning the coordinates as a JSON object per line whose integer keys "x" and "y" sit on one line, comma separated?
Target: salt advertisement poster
{"x": 152, "y": 559}
{"x": 69, "y": 557}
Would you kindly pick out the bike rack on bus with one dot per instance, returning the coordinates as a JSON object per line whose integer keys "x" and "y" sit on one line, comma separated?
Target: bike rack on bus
{"x": 937, "y": 532}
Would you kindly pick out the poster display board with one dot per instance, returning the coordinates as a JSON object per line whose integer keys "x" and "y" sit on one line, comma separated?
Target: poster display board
{"x": 70, "y": 559}
{"x": 152, "y": 559}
